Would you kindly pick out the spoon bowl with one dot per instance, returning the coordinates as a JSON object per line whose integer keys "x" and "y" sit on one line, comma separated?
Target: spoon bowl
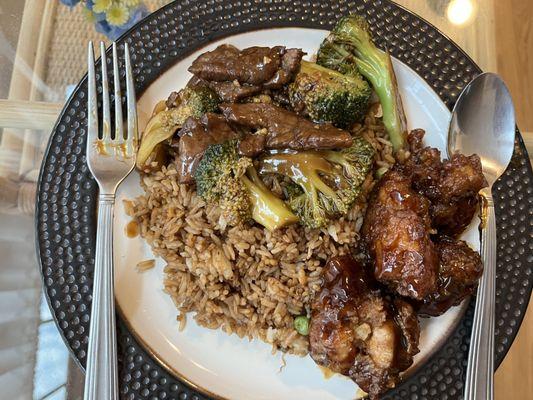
{"x": 483, "y": 122}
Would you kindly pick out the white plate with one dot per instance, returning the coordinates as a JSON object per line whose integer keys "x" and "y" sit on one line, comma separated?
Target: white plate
{"x": 226, "y": 366}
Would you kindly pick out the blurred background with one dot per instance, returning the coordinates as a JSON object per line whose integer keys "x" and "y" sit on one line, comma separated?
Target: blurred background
{"x": 42, "y": 57}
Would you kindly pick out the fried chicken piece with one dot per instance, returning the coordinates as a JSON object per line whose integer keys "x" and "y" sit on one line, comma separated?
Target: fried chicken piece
{"x": 236, "y": 74}
{"x": 396, "y": 230}
{"x": 450, "y": 185}
{"x": 460, "y": 269}
{"x": 451, "y": 218}
{"x": 357, "y": 332}
{"x": 456, "y": 199}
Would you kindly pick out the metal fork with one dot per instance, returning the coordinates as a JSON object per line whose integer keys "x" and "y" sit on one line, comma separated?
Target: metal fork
{"x": 110, "y": 159}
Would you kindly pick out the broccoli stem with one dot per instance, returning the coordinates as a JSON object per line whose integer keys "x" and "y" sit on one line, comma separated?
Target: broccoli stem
{"x": 350, "y": 43}
{"x": 267, "y": 209}
{"x": 387, "y": 90}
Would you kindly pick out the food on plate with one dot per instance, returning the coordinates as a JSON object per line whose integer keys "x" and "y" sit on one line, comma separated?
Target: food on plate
{"x": 452, "y": 185}
{"x": 349, "y": 49}
{"x": 404, "y": 219}
{"x": 283, "y": 129}
{"x": 328, "y": 182}
{"x": 325, "y": 95}
{"x": 189, "y": 102}
{"x": 193, "y": 139}
{"x": 460, "y": 268}
{"x": 290, "y": 207}
{"x": 231, "y": 181}
{"x": 235, "y": 74}
{"x": 397, "y": 234}
{"x": 356, "y": 331}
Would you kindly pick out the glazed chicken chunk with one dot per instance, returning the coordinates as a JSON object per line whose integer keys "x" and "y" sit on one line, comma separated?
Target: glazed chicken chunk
{"x": 397, "y": 234}
{"x": 451, "y": 186}
{"x": 414, "y": 213}
{"x": 357, "y": 332}
{"x": 460, "y": 268}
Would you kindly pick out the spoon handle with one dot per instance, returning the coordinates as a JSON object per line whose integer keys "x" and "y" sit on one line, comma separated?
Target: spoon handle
{"x": 480, "y": 369}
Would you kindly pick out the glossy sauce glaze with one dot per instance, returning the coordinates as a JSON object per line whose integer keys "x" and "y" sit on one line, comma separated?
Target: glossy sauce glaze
{"x": 397, "y": 233}
{"x": 356, "y": 331}
{"x": 132, "y": 229}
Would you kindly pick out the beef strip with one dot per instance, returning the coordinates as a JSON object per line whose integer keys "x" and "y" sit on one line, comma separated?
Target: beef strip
{"x": 194, "y": 138}
{"x": 171, "y": 100}
{"x": 252, "y": 145}
{"x": 286, "y": 130}
{"x": 229, "y": 91}
{"x": 290, "y": 64}
{"x": 356, "y": 331}
{"x": 237, "y": 74}
{"x": 254, "y": 65}
{"x": 397, "y": 235}
{"x": 450, "y": 185}
{"x": 460, "y": 268}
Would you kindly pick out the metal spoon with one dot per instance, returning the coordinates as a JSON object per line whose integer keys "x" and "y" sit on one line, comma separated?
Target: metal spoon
{"x": 483, "y": 122}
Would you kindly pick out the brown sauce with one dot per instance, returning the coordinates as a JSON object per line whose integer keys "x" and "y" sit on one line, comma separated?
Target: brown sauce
{"x": 326, "y": 372}
{"x": 132, "y": 229}
{"x": 100, "y": 147}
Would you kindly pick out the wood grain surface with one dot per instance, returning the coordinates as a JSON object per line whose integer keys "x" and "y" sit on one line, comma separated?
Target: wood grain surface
{"x": 499, "y": 37}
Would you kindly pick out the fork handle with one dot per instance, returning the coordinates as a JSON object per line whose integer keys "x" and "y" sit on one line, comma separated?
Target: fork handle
{"x": 101, "y": 381}
{"x": 480, "y": 369}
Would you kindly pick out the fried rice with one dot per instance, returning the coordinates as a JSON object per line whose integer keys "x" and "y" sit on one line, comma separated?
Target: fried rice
{"x": 245, "y": 280}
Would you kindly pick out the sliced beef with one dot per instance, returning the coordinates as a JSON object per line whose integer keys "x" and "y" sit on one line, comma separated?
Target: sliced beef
{"x": 396, "y": 230}
{"x": 252, "y": 145}
{"x": 356, "y": 331}
{"x": 171, "y": 100}
{"x": 254, "y": 65}
{"x": 285, "y": 129}
{"x": 270, "y": 66}
{"x": 194, "y": 138}
{"x": 233, "y": 91}
{"x": 460, "y": 269}
{"x": 290, "y": 64}
{"x": 237, "y": 74}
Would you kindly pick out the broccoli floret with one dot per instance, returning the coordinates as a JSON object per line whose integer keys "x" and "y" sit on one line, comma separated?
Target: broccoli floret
{"x": 231, "y": 181}
{"x": 350, "y": 45}
{"x": 326, "y": 95}
{"x": 199, "y": 100}
{"x": 191, "y": 102}
{"x": 330, "y": 180}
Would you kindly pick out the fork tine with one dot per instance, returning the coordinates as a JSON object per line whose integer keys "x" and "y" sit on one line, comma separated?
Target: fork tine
{"x": 131, "y": 101}
{"x": 92, "y": 105}
{"x": 119, "y": 127}
{"x": 106, "y": 121}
